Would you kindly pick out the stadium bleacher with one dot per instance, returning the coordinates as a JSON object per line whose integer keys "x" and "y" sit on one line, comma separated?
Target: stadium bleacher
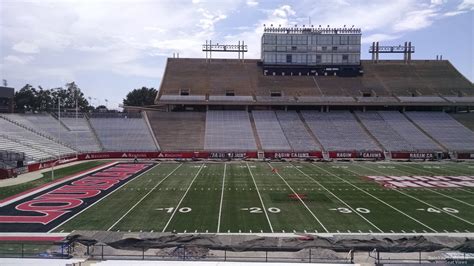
{"x": 416, "y": 138}
{"x": 269, "y": 131}
{"x": 65, "y": 132}
{"x": 339, "y": 131}
{"x": 31, "y": 152}
{"x": 386, "y": 78}
{"x": 228, "y": 130}
{"x": 445, "y": 129}
{"x": 21, "y": 134}
{"x": 296, "y": 134}
{"x": 383, "y": 132}
{"x": 178, "y": 131}
{"x": 123, "y": 133}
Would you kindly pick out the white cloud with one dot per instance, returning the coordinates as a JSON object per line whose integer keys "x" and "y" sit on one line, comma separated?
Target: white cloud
{"x": 415, "y": 20}
{"x": 209, "y": 19}
{"x": 437, "y": 2}
{"x": 379, "y": 37}
{"x": 466, "y": 5}
{"x": 26, "y": 47}
{"x": 18, "y": 59}
{"x": 454, "y": 13}
{"x": 252, "y": 3}
{"x": 284, "y": 11}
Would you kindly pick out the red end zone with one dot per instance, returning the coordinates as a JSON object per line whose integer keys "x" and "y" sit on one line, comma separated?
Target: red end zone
{"x": 47, "y": 208}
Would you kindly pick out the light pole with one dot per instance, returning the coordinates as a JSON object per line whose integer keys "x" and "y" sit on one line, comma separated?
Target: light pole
{"x": 75, "y": 94}
{"x": 59, "y": 138}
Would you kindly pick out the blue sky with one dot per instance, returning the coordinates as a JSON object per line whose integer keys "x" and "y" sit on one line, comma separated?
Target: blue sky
{"x": 109, "y": 47}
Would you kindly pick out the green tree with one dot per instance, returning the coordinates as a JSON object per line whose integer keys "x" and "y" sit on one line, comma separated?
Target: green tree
{"x": 30, "y": 99}
{"x": 25, "y": 99}
{"x": 140, "y": 97}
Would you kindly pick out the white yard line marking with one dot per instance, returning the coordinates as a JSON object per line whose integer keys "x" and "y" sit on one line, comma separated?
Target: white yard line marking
{"x": 385, "y": 203}
{"x": 343, "y": 202}
{"x": 432, "y": 206}
{"x": 424, "y": 202}
{"x": 431, "y": 190}
{"x": 427, "y": 171}
{"x": 140, "y": 200}
{"x": 260, "y": 197}
{"x": 182, "y": 198}
{"x": 306, "y": 206}
{"x": 117, "y": 189}
{"x": 222, "y": 199}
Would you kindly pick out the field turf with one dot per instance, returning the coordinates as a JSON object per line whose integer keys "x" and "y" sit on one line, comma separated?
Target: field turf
{"x": 297, "y": 197}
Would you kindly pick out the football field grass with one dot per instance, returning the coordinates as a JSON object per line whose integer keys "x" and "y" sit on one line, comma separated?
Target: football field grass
{"x": 254, "y": 197}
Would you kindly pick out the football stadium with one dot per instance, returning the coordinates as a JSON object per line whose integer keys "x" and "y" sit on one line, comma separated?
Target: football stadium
{"x": 307, "y": 154}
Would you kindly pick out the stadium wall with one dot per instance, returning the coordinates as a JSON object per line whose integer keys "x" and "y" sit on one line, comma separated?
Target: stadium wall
{"x": 366, "y": 155}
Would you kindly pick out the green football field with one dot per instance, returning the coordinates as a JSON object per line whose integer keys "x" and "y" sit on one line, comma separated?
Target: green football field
{"x": 240, "y": 197}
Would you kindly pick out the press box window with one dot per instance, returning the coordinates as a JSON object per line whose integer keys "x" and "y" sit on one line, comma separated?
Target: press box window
{"x": 229, "y": 93}
{"x": 184, "y": 92}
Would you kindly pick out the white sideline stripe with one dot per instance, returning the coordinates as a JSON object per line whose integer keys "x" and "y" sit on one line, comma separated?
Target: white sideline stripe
{"x": 431, "y": 190}
{"x": 222, "y": 198}
{"x": 452, "y": 171}
{"x": 260, "y": 197}
{"x": 182, "y": 198}
{"x": 94, "y": 203}
{"x": 343, "y": 202}
{"x": 407, "y": 215}
{"x": 306, "y": 206}
{"x": 57, "y": 183}
{"x": 138, "y": 202}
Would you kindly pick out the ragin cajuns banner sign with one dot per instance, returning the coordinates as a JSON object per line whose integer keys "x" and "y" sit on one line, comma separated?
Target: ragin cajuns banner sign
{"x": 418, "y": 181}
{"x": 47, "y": 207}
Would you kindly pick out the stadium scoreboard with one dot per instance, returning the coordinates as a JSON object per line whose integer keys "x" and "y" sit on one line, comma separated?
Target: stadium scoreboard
{"x": 322, "y": 49}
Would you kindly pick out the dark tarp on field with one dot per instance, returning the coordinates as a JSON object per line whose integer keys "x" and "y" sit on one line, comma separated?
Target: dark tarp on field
{"x": 339, "y": 243}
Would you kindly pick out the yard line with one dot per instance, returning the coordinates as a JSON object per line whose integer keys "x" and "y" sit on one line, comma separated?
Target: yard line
{"x": 298, "y": 196}
{"x": 428, "y": 171}
{"x": 345, "y": 181}
{"x": 222, "y": 199}
{"x": 425, "y": 188}
{"x": 138, "y": 202}
{"x": 343, "y": 202}
{"x": 182, "y": 198}
{"x": 117, "y": 189}
{"x": 260, "y": 197}
{"x": 432, "y": 206}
